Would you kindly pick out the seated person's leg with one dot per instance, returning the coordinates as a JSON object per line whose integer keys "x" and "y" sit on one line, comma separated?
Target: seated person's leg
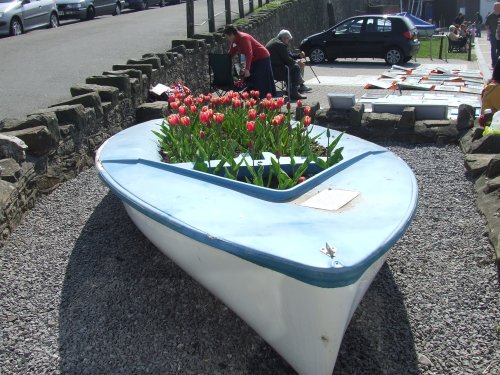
{"x": 297, "y": 73}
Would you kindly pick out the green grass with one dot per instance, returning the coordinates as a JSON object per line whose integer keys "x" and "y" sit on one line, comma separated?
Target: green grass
{"x": 425, "y": 50}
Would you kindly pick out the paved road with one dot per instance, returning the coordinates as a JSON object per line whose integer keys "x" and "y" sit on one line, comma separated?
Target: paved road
{"x": 38, "y": 68}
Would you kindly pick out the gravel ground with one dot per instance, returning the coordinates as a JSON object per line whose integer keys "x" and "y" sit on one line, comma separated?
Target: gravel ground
{"x": 83, "y": 292}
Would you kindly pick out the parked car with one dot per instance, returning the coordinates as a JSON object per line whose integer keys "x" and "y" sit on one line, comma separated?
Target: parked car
{"x": 144, "y": 4}
{"x": 18, "y": 16}
{"x": 393, "y": 38}
{"x": 88, "y": 9}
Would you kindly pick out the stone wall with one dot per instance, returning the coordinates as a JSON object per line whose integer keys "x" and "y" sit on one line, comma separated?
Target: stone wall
{"x": 46, "y": 148}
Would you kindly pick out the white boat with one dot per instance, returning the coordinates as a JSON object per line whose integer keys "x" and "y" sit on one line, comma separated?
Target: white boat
{"x": 293, "y": 264}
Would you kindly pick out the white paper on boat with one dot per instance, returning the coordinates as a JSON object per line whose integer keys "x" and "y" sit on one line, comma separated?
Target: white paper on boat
{"x": 330, "y": 199}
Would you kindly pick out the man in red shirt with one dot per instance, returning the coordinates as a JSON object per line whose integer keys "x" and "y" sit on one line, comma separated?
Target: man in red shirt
{"x": 258, "y": 69}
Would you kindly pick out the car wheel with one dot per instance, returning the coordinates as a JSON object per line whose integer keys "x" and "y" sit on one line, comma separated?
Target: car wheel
{"x": 317, "y": 55}
{"x": 54, "y": 21}
{"x": 162, "y": 3}
{"x": 393, "y": 56}
{"x": 118, "y": 10}
{"x": 90, "y": 13}
{"x": 16, "y": 27}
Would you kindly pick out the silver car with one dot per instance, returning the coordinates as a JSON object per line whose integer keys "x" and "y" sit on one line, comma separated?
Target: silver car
{"x": 88, "y": 9}
{"x": 18, "y": 16}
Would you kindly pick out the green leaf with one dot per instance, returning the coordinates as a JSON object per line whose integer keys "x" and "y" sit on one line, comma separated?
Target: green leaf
{"x": 219, "y": 166}
{"x": 320, "y": 162}
{"x": 303, "y": 168}
{"x": 336, "y": 157}
{"x": 332, "y": 145}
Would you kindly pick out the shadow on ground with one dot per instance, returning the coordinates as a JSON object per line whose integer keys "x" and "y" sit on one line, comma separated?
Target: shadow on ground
{"x": 127, "y": 309}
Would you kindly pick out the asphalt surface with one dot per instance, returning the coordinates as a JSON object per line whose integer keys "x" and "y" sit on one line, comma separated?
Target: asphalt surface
{"x": 38, "y": 68}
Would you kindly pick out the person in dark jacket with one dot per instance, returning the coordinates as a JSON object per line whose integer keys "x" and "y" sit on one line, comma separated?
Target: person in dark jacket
{"x": 281, "y": 57}
{"x": 478, "y": 22}
{"x": 459, "y": 19}
{"x": 491, "y": 24}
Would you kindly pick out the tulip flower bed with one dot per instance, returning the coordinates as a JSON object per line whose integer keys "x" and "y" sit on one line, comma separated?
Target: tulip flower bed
{"x": 211, "y": 132}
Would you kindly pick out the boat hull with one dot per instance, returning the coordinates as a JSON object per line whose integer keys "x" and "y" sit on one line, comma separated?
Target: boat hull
{"x": 303, "y": 323}
{"x": 290, "y": 263}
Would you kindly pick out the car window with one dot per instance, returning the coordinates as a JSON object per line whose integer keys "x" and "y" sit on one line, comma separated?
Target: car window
{"x": 384, "y": 25}
{"x": 371, "y": 25}
{"x": 350, "y": 27}
{"x": 378, "y": 25}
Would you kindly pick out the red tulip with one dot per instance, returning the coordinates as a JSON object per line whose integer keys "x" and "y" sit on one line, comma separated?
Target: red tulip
{"x": 252, "y": 114}
{"x": 307, "y": 121}
{"x": 256, "y": 94}
{"x": 251, "y": 126}
{"x": 204, "y": 117}
{"x": 193, "y": 109}
{"x": 218, "y": 117}
{"x": 171, "y": 98}
{"x": 236, "y": 102}
{"x": 278, "y": 119}
{"x": 262, "y": 116}
{"x": 299, "y": 103}
{"x": 307, "y": 110}
{"x": 182, "y": 110}
{"x": 280, "y": 101}
{"x": 301, "y": 179}
{"x": 189, "y": 100}
{"x": 174, "y": 119}
{"x": 245, "y": 95}
{"x": 202, "y": 134}
{"x": 175, "y": 105}
{"x": 185, "y": 120}
{"x": 215, "y": 100}
{"x": 269, "y": 96}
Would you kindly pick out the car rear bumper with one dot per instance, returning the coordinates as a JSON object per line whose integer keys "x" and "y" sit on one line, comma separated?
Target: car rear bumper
{"x": 414, "y": 48}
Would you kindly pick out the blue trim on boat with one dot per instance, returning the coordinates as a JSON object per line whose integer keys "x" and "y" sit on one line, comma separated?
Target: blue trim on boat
{"x": 271, "y": 195}
{"x": 344, "y": 269}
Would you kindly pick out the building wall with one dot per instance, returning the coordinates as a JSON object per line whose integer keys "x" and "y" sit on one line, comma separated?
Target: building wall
{"x": 485, "y": 7}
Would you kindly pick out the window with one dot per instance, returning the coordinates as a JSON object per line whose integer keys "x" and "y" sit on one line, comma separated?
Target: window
{"x": 384, "y": 25}
{"x": 350, "y": 27}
